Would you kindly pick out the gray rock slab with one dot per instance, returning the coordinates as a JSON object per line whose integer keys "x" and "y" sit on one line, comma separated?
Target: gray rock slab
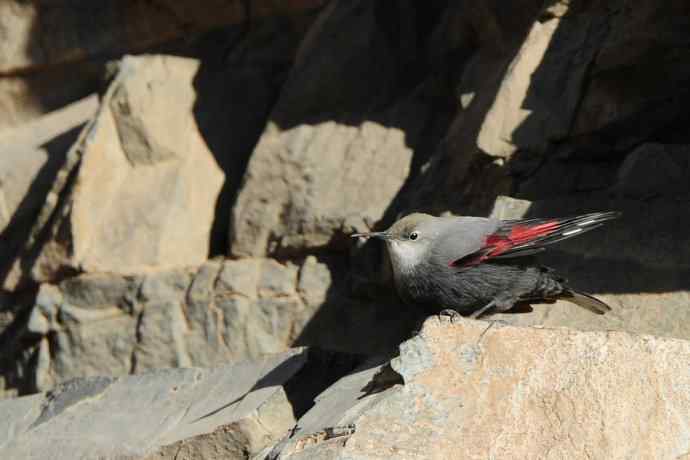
{"x": 133, "y": 416}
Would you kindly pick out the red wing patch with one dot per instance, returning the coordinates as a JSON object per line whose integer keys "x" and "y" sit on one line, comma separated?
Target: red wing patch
{"x": 519, "y": 234}
{"x": 526, "y": 237}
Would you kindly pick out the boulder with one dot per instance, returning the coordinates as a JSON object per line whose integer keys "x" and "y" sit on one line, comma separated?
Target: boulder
{"x": 341, "y": 139}
{"x": 138, "y": 189}
{"x": 230, "y": 411}
{"x": 476, "y": 389}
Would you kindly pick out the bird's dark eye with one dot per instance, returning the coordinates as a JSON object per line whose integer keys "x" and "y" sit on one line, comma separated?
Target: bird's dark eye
{"x": 413, "y": 235}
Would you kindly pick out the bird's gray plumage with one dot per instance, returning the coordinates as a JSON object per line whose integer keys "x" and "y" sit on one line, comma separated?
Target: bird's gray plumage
{"x": 468, "y": 263}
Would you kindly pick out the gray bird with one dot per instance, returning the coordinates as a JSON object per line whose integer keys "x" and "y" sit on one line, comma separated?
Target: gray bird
{"x": 473, "y": 264}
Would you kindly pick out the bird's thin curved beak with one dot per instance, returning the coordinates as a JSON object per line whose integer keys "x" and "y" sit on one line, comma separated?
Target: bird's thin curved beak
{"x": 380, "y": 235}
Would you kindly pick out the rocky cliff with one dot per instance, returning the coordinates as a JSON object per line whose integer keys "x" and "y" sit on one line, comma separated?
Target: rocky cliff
{"x": 178, "y": 181}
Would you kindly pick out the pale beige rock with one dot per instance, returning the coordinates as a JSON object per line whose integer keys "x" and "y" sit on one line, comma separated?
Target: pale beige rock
{"x": 308, "y": 182}
{"x": 474, "y": 389}
{"x": 26, "y": 151}
{"x": 52, "y": 55}
{"x": 539, "y": 95}
{"x": 145, "y": 181}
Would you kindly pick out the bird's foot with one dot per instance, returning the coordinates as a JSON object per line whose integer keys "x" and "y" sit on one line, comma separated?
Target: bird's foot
{"x": 477, "y": 314}
{"x": 450, "y": 313}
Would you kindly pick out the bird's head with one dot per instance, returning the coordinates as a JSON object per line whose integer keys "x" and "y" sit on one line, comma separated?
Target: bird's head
{"x": 408, "y": 239}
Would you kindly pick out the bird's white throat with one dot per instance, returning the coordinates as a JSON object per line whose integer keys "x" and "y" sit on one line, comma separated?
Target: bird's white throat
{"x": 405, "y": 256}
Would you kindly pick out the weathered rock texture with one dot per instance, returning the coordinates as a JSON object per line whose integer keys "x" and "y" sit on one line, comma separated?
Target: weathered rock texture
{"x": 474, "y": 389}
{"x": 221, "y": 311}
{"x": 142, "y": 182}
{"x": 147, "y": 416}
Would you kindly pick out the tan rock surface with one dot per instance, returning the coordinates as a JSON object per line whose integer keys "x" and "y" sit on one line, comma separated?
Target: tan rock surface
{"x": 145, "y": 182}
{"x": 474, "y": 389}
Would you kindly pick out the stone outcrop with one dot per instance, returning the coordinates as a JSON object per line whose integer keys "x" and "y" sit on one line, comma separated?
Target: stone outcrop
{"x": 108, "y": 325}
{"x": 143, "y": 145}
{"x": 474, "y": 389}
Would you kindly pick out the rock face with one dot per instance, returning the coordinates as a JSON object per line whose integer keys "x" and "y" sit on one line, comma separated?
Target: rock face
{"x": 474, "y": 389}
{"x": 339, "y": 147}
{"x": 141, "y": 416}
{"x": 202, "y": 216}
{"x": 222, "y": 311}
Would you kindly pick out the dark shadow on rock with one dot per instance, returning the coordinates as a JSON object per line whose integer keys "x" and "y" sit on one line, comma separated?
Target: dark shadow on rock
{"x": 320, "y": 371}
{"x": 238, "y": 82}
{"x": 361, "y": 312}
{"x": 19, "y": 350}
{"x": 644, "y": 251}
{"x": 597, "y": 94}
{"x": 460, "y": 177}
{"x": 323, "y": 368}
{"x": 367, "y": 319}
{"x": 16, "y": 234}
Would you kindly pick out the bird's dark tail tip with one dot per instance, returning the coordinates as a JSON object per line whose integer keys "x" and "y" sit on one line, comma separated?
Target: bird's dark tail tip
{"x": 587, "y": 301}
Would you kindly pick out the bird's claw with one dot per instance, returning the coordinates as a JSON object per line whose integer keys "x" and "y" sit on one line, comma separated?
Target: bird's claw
{"x": 450, "y": 313}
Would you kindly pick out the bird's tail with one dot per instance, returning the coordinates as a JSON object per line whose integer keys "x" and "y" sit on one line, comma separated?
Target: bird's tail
{"x": 586, "y": 301}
